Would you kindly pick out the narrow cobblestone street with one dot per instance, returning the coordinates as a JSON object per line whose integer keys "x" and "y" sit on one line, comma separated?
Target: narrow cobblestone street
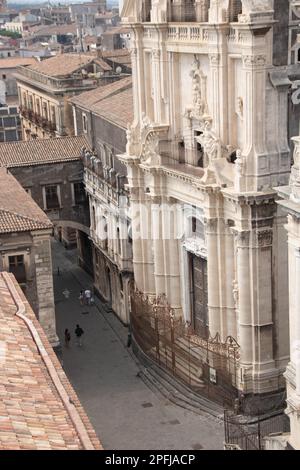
{"x": 125, "y": 413}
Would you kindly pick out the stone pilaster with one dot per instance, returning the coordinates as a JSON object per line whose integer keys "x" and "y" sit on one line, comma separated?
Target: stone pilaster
{"x": 213, "y": 278}
{"x": 44, "y": 285}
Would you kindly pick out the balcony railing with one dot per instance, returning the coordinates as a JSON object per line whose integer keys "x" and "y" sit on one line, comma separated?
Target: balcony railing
{"x": 57, "y": 83}
{"x": 188, "y": 32}
{"x": 37, "y": 119}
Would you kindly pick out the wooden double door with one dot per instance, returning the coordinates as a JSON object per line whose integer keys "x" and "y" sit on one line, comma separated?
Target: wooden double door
{"x": 199, "y": 297}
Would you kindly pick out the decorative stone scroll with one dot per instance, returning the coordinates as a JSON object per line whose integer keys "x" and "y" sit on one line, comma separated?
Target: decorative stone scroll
{"x": 254, "y": 60}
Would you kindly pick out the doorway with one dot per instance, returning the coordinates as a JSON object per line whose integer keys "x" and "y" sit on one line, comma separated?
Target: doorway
{"x": 199, "y": 297}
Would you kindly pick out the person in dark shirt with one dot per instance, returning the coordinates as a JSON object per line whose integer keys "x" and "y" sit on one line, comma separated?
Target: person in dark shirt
{"x": 79, "y": 332}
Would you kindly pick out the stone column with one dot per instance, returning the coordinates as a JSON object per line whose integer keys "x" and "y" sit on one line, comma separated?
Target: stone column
{"x": 158, "y": 246}
{"x": 147, "y": 246}
{"x": 243, "y": 290}
{"x": 170, "y": 219}
{"x": 296, "y": 345}
{"x": 228, "y": 273}
{"x": 219, "y": 87}
{"x": 201, "y": 7}
{"x": 214, "y": 319}
{"x": 156, "y": 84}
{"x": 137, "y": 254}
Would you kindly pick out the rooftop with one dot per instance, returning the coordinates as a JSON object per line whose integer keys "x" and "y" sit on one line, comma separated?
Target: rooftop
{"x": 13, "y": 62}
{"x": 54, "y": 29}
{"x": 62, "y": 65}
{"x": 41, "y": 152}
{"x": 38, "y": 407}
{"x": 18, "y": 211}
{"x": 114, "y": 102}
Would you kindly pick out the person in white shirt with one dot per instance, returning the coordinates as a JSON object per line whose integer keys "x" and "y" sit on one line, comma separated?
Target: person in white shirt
{"x": 88, "y": 295}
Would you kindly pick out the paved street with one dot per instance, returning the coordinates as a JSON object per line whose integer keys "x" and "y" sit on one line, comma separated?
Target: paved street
{"x": 125, "y": 413}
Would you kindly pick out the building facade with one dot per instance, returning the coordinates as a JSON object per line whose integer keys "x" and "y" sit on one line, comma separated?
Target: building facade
{"x": 208, "y": 144}
{"x": 291, "y": 204}
{"x": 25, "y": 233}
{"x": 44, "y": 89}
{"x": 102, "y": 115}
{"x": 51, "y": 172}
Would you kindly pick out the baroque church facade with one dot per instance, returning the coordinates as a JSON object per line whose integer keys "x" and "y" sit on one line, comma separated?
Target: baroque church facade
{"x": 208, "y": 145}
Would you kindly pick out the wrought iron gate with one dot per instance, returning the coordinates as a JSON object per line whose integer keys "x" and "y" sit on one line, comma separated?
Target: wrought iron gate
{"x": 208, "y": 365}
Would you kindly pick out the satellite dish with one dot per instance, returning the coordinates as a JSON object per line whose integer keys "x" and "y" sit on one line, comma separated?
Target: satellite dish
{"x": 119, "y": 70}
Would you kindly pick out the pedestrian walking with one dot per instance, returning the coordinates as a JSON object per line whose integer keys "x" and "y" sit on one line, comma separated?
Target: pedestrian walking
{"x": 81, "y": 297}
{"x": 79, "y": 332}
{"x": 67, "y": 337}
{"x": 88, "y": 296}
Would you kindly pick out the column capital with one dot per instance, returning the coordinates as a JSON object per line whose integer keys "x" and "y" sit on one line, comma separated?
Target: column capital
{"x": 242, "y": 238}
{"x": 211, "y": 225}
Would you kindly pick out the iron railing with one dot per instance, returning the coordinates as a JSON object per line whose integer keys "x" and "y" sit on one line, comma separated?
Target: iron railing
{"x": 207, "y": 365}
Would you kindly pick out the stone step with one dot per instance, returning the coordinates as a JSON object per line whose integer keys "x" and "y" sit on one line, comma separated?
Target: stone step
{"x": 187, "y": 400}
{"x": 177, "y": 386}
{"x": 156, "y": 385}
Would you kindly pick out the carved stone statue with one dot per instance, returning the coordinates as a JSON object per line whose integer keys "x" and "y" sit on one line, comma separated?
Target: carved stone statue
{"x": 129, "y": 139}
{"x": 239, "y": 171}
{"x": 210, "y": 143}
{"x": 200, "y": 107}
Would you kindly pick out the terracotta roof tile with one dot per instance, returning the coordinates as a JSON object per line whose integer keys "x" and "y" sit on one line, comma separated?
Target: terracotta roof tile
{"x": 33, "y": 413}
{"x": 62, "y": 65}
{"x": 18, "y": 211}
{"x": 41, "y": 152}
{"x": 13, "y": 62}
{"x": 113, "y": 101}
{"x": 115, "y": 53}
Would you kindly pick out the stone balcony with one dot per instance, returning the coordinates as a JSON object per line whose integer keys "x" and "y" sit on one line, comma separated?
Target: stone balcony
{"x": 97, "y": 186}
{"x": 37, "y": 119}
{"x": 193, "y": 32}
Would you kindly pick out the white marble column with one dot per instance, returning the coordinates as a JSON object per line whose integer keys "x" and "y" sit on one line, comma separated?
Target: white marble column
{"x": 244, "y": 296}
{"x": 230, "y": 320}
{"x": 158, "y": 246}
{"x": 172, "y": 254}
{"x": 296, "y": 345}
{"x": 213, "y": 279}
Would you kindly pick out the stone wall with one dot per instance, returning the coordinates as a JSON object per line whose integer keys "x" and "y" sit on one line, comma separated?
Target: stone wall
{"x": 36, "y": 249}
{"x": 34, "y": 178}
